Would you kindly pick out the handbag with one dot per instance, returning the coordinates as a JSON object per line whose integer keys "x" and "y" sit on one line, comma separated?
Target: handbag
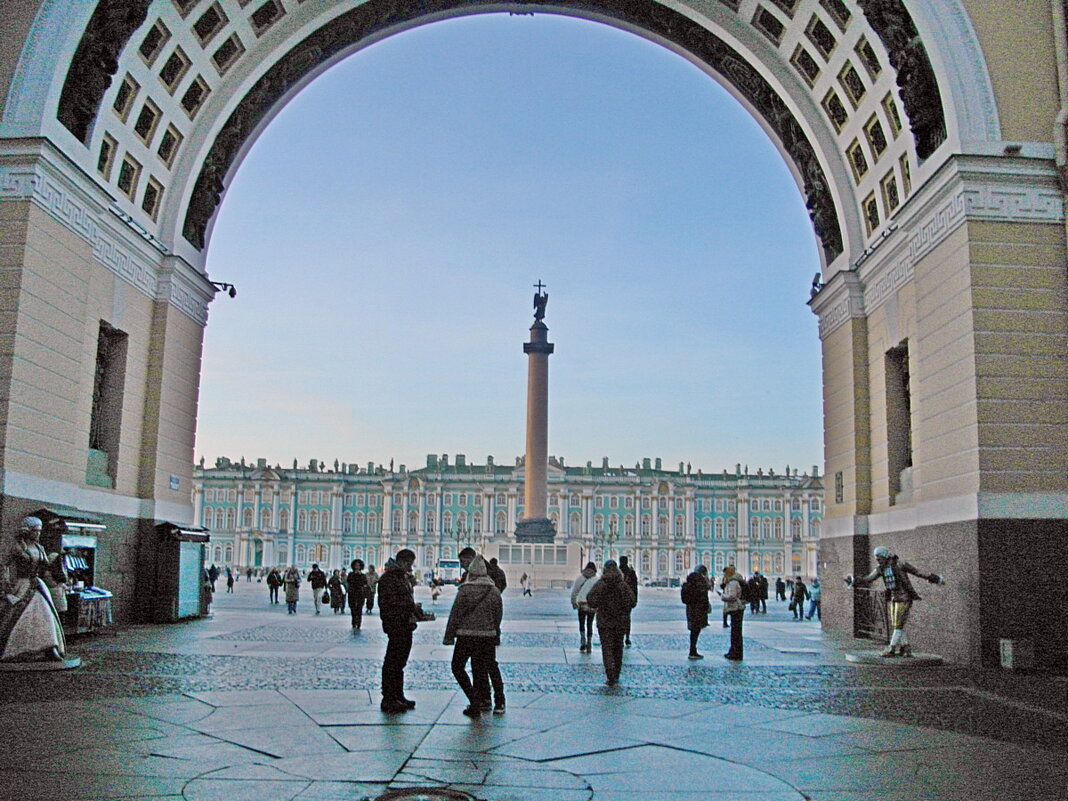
{"x": 326, "y": 596}
{"x": 792, "y": 606}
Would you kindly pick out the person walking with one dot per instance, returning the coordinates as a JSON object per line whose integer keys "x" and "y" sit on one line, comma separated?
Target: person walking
{"x": 630, "y": 577}
{"x": 780, "y": 589}
{"x": 229, "y": 580}
{"x": 356, "y": 583}
{"x": 213, "y": 575}
{"x": 612, "y": 600}
{"x": 291, "y": 583}
{"x": 814, "y": 593}
{"x": 497, "y": 575}
{"x": 734, "y": 607}
{"x": 754, "y": 593}
{"x": 372, "y": 585}
{"x": 762, "y": 592}
{"x": 798, "y": 598}
{"x": 274, "y": 581}
{"x": 474, "y": 631}
{"x": 524, "y": 582}
{"x": 337, "y": 592}
{"x": 695, "y": 595}
{"x": 581, "y": 588}
{"x": 398, "y": 612}
{"x": 317, "y": 581}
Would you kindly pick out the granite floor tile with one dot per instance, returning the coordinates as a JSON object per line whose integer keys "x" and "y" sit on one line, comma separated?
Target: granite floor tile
{"x": 243, "y": 790}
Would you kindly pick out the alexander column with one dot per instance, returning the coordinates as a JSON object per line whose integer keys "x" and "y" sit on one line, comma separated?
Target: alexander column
{"x": 536, "y": 525}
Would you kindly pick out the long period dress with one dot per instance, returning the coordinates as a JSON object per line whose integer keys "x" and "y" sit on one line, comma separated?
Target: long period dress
{"x": 30, "y": 628}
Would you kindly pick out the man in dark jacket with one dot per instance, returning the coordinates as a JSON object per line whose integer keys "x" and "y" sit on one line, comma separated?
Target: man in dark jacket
{"x": 613, "y": 600}
{"x": 397, "y": 610}
{"x": 496, "y": 574}
{"x": 630, "y": 578}
{"x": 317, "y": 580}
{"x": 356, "y": 583}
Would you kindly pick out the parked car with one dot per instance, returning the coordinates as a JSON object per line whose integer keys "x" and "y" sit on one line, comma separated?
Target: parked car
{"x": 663, "y": 582}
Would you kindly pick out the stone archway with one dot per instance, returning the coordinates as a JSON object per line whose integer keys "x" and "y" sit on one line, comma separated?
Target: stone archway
{"x": 929, "y": 145}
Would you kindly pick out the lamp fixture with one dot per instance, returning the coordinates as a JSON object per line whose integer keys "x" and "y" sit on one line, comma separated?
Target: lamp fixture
{"x": 222, "y": 286}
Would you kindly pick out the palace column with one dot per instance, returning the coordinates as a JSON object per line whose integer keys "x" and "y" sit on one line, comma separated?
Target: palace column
{"x": 536, "y": 525}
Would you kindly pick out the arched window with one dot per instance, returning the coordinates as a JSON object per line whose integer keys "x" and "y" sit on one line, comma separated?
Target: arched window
{"x": 231, "y": 519}
{"x": 706, "y": 529}
{"x": 265, "y": 518}
{"x": 228, "y": 554}
{"x": 555, "y": 517}
{"x": 300, "y": 554}
{"x": 217, "y": 555}
{"x": 360, "y": 523}
{"x": 324, "y": 521}
{"x": 347, "y": 555}
{"x": 765, "y": 529}
{"x": 476, "y": 522}
{"x": 246, "y": 517}
{"x": 721, "y": 561}
{"x": 220, "y": 519}
{"x": 446, "y": 522}
{"x": 732, "y": 529}
{"x": 647, "y": 562}
{"x": 283, "y": 556}
{"x": 755, "y": 560}
{"x": 313, "y": 522}
{"x": 778, "y": 528}
{"x": 430, "y": 517}
{"x": 628, "y": 526}
{"x": 500, "y": 523}
{"x": 662, "y": 525}
{"x": 207, "y": 517}
{"x": 680, "y": 562}
{"x": 576, "y": 523}
{"x": 706, "y": 559}
{"x": 598, "y": 524}
{"x": 430, "y": 561}
{"x": 646, "y": 523}
{"x": 501, "y": 500}
{"x": 597, "y": 557}
{"x": 283, "y": 520}
{"x": 357, "y": 552}
{"x": 754, "y": 529}
{"x": 719, "y": 529}
{"x": 346, "y": 523}
{"x": 461, "y": 522}
{"x": 663, "y": 562}
{"x": 814, "y": 529}
{"x": 397, "y": 520}
{"x": 372, "y": 554}
{"x": 372, "y": 524}
{"x": 795, "y": 529}
{"x": 302, "y": 520}
{"x": 778, "y": 562}
{"x": 413, "y": 522}
{"x": 613, "y": 526}
{"x": 680, "y": 525}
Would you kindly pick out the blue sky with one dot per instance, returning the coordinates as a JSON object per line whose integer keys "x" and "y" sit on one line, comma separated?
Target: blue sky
{"x": 385, "y": 232}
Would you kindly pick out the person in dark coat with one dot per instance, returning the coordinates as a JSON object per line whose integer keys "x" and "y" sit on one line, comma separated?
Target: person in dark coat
{"x": 356, "y": 582}
{"x": 631, "y": 579}
{"x": 474, "y": 628}
{"x": 762, "y": 592}
{"x": 695, "y": 595}
{"x": 397, "y": 610}
{"x": 612, "y": 600}
{"x": 780, "y": 589}
{"x": 274, "y": 581}
{"x": 497, "y": 575}
{"x": 754, "y": 593}
{"x": 797, "y": 600}
{"x": 336, "y": 586}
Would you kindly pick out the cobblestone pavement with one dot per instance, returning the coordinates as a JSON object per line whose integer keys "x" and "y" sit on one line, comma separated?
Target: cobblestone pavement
{"x": 258, "y": 704}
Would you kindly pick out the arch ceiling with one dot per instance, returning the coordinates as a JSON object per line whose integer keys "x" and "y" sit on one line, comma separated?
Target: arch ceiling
{"x": 162, "y": 98}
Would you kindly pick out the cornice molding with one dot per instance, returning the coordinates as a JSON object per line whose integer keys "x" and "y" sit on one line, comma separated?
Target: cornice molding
{"x": 33, "y": 171}
{"x": 966, "y": 189}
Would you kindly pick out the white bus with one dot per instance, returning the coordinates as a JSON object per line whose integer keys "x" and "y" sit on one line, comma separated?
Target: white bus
{"x": 448, "y": 571}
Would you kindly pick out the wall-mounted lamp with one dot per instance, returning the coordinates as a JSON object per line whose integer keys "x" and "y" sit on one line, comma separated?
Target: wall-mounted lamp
{"x": 230, "y": 289}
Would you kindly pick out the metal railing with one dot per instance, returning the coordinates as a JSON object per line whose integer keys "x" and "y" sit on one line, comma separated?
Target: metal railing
{"x": 870, "y": 616}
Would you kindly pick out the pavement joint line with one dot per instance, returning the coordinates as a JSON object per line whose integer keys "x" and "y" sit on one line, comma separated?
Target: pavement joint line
{"x": 1037, "y": 710}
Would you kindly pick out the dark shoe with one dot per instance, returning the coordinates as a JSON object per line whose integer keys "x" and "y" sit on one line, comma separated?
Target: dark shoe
{"x": 611, "y": 682}
{"x": 627, "y": 643}
{"x": 393, "y": 707}
{"x": 485, "y": 708}
{"x": 407, "y": 703}
{"x": 732, "y": 657}
{"x": 726, "y": 626}
{"x": 695, "y": 655}
{"x": 499, "y": 709}
{"x": 472, "y": 711}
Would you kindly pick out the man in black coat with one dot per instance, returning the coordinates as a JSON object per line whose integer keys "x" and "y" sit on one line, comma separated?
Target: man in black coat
{"x": 397, "y": 610}
{"x": 494, "y": 571}
{"x": 630, "y": 578}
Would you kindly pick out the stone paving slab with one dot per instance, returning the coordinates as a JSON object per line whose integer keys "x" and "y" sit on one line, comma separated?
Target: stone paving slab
{"x": 255, "y": 704}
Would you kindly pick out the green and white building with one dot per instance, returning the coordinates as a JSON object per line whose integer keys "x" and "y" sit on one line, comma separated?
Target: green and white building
{"x": 666, "y": 521}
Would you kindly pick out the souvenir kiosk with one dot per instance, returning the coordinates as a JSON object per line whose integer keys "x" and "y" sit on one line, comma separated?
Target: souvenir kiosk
{"x": 182, "y": 589}
{"x": 73, "y": 533}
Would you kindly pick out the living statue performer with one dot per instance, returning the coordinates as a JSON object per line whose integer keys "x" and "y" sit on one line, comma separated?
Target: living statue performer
{"x": 30, "y": 628}
{"x": 899, "y": 594}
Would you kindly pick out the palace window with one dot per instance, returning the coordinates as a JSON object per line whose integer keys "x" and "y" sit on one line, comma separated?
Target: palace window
{"x": 246, "y": 517}
{"x": 680, "y": 562}
{"x": 105, "y": 421}
{"x": 732, "y": 529}
{"x": 628, "y": 526}
{"x": 719, "y": 529}
{"x": 265, "y": 518}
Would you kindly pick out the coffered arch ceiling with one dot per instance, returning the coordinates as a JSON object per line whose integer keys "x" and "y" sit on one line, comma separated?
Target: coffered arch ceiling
{"x": 170, "y": 94}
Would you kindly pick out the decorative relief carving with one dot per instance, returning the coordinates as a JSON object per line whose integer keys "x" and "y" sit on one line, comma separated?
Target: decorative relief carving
{"x": 49, "y": 192}
{"x": 998, "y": 202}
{"x": 915, "y": 76}
{"x": 96, "y": 60}
{"x": 378, "y": 15}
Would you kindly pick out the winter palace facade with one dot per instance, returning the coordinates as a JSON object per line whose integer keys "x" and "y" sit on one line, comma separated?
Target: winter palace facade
{"x": 666, "y": 521}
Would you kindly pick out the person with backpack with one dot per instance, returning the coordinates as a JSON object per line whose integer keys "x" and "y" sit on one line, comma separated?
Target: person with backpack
{"x": 695, "y": 595}
{"x": 579, "y": 590}
{"x": 612, "y": 599}
{"x": 734, "y": 607}
{"x": 318, "y": 580}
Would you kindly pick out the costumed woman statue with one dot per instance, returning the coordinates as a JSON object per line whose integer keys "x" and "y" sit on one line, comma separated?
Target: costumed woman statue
{"x": 30, "y": 629}
{"x": 899, "y": 594}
